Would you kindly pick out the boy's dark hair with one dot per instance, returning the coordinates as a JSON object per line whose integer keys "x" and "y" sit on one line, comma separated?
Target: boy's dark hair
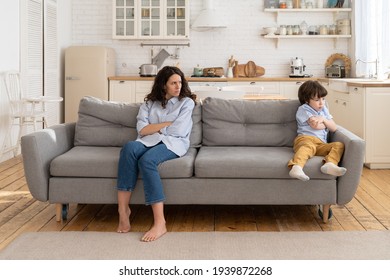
{"x": 309, "y": 90}
{"x": 158, "y": 93}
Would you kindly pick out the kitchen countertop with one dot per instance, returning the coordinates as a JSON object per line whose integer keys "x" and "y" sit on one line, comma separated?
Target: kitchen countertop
{"x": 205, "y": 79}
{"x": 350, "y": 81}
{"x": 359, "y": 82}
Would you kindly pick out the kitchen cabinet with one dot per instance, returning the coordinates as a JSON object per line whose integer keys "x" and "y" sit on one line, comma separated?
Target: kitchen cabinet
{"x": 206, "y": 86}
{"x": 255, "y": 87}
{"x": 151, "y": 19}
{"x": 290, "y": 89}
{"x": 142, "y": 88}
{"x": 122, "y": 91}
{"x": 347, "y": 107}
{"x": 129, "y": 91}
{"x": 363, "y": 111}
{"x": 300, "y": 13}
{"x": 377, "y": 134}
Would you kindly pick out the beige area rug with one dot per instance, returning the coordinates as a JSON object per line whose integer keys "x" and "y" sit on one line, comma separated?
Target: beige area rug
{"x": 351, "y": 245}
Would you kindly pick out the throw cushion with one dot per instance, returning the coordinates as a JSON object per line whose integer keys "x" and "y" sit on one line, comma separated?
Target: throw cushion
{"x": 249, "y": 123}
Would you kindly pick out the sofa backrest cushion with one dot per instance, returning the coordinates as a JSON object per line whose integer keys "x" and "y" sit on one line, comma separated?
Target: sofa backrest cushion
{"x": 107, "y": 123}
{"x": 249, "y": 123}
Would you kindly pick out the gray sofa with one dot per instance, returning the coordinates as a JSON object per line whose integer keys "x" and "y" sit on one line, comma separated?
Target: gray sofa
{"x": 238, "y": 155}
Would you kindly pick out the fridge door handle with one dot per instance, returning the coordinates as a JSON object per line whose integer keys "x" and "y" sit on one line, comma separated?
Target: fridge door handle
{"x": 71, "y": 78}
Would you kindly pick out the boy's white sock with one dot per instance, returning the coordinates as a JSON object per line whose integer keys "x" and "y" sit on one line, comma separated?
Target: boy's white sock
{"x": 297, "y": 172}
{"x": 332, "y": 169}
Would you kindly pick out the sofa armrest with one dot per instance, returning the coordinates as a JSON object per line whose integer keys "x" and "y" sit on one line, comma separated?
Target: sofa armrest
{"x": 38, "y": 150}
{"x": 352, "y": 160}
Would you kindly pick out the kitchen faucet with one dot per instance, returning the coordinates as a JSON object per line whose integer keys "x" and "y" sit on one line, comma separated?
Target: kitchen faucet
{"x": 376, "y": 61}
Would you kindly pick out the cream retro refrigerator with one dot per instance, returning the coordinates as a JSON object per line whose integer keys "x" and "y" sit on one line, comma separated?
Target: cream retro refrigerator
{"x": 87, "y": 69}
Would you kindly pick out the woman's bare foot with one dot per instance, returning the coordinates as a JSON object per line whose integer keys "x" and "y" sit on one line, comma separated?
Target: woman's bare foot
{"x": 124, "y": 220}
{"x": 155, "y": 232}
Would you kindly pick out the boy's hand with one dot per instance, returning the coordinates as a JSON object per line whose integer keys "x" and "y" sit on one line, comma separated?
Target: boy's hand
{"x": 316, "y": 122}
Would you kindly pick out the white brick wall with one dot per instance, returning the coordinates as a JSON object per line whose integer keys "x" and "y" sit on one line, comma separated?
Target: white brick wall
{"x": 92, "y": 25}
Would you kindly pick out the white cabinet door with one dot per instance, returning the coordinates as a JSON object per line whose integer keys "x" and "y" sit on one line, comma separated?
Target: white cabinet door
{"x": 377, "y": 127}
{"x": 142, "y": 88}
{"x": 122, "y": 91}
{"x": 151, "y": 19}
{"x": 124, "y": 16}
{"x": 290, "y": 89}
{"x": 254, "y": 87}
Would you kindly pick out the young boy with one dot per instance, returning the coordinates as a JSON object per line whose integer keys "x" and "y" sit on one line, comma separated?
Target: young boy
{"x": 314, "y": 121}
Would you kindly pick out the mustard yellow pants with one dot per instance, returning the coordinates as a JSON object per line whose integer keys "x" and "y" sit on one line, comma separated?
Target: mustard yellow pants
{"x": 305, "y": 147}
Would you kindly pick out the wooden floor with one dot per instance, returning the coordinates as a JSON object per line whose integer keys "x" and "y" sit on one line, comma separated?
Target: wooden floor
{"x": 19, "y": 212}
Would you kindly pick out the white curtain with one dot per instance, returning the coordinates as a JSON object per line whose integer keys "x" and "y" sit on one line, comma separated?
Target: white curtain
{"x": 372, "y": 32}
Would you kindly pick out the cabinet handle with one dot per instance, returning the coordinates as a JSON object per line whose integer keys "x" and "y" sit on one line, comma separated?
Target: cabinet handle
{"x": 344, "y": 103}
{"x": 336, "y": 101}
{"x": 121, "y": 82}
{"x": 298, "y": 83}
{"x": 355, "y": 89}
{"x": 252, "y": 83}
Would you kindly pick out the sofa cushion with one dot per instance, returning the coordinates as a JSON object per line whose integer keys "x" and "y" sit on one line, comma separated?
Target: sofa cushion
{"x": 251, "y": 162}
{"x": 102, "y": 162}
{"x": 249, "y": 123}
{"x": 107, "y": 123}
{"x": 196, "y": 132}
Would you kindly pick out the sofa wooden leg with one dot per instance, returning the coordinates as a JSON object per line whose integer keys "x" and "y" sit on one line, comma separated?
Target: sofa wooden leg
{"x": 326, "y": 213}
{"x": 58, "y": 212}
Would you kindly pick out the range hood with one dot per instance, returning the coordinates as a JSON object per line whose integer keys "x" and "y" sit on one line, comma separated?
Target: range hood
{"x": 208, "y": 18}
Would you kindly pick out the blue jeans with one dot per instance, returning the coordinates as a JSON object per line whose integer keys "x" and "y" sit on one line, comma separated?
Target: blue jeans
{"x": 135, "y": 157}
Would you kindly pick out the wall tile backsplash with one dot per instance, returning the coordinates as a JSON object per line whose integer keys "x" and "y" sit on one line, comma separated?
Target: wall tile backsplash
{"x": 92, "y": 25}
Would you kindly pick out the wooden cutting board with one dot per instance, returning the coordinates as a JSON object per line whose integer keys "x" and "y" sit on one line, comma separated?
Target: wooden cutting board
{"x": 250, "y": 69}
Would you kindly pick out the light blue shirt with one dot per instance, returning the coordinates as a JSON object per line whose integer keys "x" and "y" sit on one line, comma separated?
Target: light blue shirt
{"x": 304, "y": 113}
{"x": 176, "y": 136}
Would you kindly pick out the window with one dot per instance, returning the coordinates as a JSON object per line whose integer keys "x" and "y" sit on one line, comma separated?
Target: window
{"x": 372, "y": 23}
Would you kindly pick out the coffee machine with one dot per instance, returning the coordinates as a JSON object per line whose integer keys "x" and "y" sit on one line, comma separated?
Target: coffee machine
{"x": 297, "y": 68}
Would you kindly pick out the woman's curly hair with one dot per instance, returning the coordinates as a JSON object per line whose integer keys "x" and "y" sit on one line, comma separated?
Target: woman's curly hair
{"x": 158, "y": 90}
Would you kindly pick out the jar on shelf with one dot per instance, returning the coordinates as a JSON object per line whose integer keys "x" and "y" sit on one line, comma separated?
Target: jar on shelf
{"x": 282, "y": 5}
{"x": 296, "y": 30}
{"x": 312, "y": 30}
{"x": 289, "y": 4}
{"x": 323, "y": 30}
{"x": 296, "y": 4}
{"x": 282, "y": 30}
{"x": 303, "y": 4}
{"x": 303, "y": 27}
{"x": 320, "y": 4}
{"x": 332, "y": 29}
{"x": 289, "y": 30}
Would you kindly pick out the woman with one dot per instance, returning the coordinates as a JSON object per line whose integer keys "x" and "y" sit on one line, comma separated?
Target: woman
{"x": 164, "y": 123}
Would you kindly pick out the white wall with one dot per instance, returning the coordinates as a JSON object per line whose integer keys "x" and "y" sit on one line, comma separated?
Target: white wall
{"x": 9, "y": 55}
{"x": 91, "y": 25}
